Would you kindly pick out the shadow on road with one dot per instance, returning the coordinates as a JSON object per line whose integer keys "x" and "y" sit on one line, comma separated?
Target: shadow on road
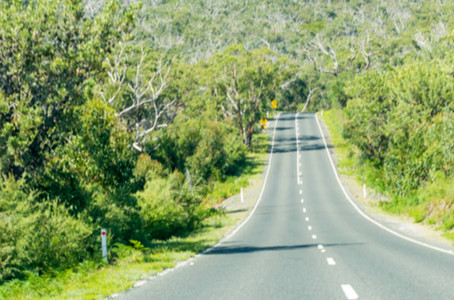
{"x": 314, "y": 147}
{"x": 306, "y": 143}
{"x": 251, "y": 249}
{"x": 283, "y": 128}
{"x": 291, "y": 116}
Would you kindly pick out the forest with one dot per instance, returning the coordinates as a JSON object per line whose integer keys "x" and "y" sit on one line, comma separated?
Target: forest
{"x": 125, "y": 114}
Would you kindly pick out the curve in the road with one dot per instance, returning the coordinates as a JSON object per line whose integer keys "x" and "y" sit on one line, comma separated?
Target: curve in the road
{"x": 363, "y": 214}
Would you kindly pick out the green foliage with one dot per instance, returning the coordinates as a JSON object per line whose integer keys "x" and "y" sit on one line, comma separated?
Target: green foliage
{"x": 54, "y": 140}
{"x": 431, "y": 201}
{"x": 68, "y": 156}
{"x": 400, "y": 121}
{"x": 366, "y": 115}
{"x": 440, "y": 144}
{"x": 246, "y": 84}
{"x": 168, "y": 206}
{"x": 207, "y": 149}
{"x": 49, "y": 54}
{"x": 37, "y": 237}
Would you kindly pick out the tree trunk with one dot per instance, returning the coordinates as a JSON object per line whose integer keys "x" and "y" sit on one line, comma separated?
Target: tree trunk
{"x": 249, "y": 133}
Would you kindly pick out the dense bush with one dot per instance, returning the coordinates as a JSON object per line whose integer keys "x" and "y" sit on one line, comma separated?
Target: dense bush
{"x": 93, "y": 173}
{"x": 206, "y": 149}
{"x": 168, "y": 206}
{"x": 37, "y": 236}
{"x": 402, "y": 121}
{"x": 50, "y": 55}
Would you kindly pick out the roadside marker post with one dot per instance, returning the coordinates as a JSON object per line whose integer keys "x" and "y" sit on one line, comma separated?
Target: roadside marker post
{"x": 364, "y": 191}
{"x": 104, "y": 244}
{"x": 242, "y": 196}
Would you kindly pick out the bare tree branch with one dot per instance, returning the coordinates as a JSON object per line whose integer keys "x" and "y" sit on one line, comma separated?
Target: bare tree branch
{"x": 143, "y": 109}
{"x": 309, "y": 96}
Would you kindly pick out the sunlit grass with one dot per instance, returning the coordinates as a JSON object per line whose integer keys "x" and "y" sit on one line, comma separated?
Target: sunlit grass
{"x": 96, "y": 280}
{"x": 344, "y": 151}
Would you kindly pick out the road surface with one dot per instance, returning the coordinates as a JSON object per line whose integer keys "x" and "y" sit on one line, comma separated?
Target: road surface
{"x": 305, "y": 240}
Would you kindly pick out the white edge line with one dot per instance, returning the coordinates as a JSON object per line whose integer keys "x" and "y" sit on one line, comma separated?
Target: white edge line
{"x": 140, "y": 283}
{"x": 258, "y": 199}
{"x": 365, "y": 215}
{"x": 183, "y": 263}
{"x": 297, "y": 151}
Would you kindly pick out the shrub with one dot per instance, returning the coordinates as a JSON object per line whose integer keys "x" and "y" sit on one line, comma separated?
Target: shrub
{"x": 36, "y": 237}
{"x": 236, "y": 154}
{"x": 208, "y": 149}
{"x": 168, "y": 206}
{"x": 118, "y": 213}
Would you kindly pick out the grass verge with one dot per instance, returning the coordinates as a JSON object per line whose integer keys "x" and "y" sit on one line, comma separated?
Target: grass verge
{"x": 97, "y": 279}
{"x": 432, "y": 204}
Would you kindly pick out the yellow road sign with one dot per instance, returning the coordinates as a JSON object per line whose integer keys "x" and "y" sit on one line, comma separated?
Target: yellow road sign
{"x": 263, "y": 122}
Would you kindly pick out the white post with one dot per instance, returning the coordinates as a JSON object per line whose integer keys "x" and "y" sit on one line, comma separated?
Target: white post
{"x": 364, "y": 191}
{"x": 242, "y": 196}
{"x": 104, "y": 244}
{"x": 267, "y": 114}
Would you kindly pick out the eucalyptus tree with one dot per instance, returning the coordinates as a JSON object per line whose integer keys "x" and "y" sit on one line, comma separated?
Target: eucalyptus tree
{"x": 246, "y": 81}
{"x": 135, "y": 84}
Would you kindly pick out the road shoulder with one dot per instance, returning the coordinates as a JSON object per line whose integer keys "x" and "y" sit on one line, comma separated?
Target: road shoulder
{"x": 369, "y": 205}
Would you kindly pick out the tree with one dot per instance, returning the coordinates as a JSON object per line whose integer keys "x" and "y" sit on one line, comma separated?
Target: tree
{"x": 50, "y": 55}
{"x": 134, "y": 89}
{"x": 367, "y": 115}
{"x": 246, "y": 82}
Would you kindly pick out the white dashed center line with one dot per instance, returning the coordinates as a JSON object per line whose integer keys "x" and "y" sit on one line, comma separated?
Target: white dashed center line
{"x": 349, "y": 292}
{"x": 298, "y": 155}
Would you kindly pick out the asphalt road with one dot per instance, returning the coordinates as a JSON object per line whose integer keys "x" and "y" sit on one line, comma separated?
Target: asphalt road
{"x": 305, "y": 240}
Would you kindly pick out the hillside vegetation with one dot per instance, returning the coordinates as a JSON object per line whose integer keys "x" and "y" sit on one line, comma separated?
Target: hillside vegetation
{"x": 126, "y": 115}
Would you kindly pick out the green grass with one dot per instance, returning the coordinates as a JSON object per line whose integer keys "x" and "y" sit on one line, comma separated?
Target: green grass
{"x": 349, "y": 161}
{"x": 97, "y": 280}
{"x": 344, "y": 151}
{"x": 93, "y": 280}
